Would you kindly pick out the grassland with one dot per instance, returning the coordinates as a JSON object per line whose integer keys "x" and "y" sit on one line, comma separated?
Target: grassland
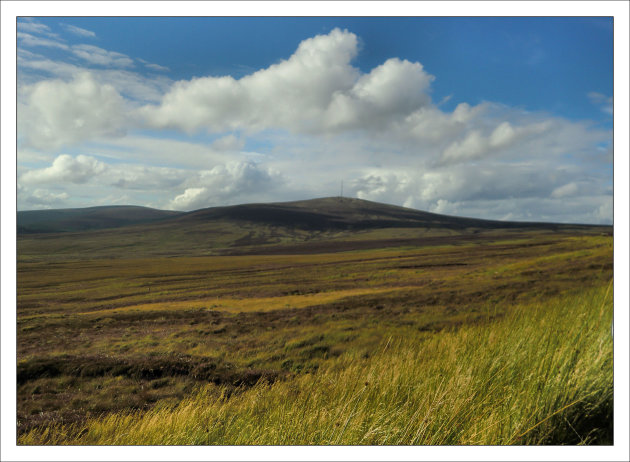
{"x": 541, "y": 375}
{"x": 500, "y": 337}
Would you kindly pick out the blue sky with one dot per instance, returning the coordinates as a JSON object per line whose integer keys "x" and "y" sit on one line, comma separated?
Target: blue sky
{"x": 502, "y": 118}
{"x": 535, "y": 63}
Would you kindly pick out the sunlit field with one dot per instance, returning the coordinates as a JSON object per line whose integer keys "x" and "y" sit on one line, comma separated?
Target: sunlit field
{"x": 504, "y": 340}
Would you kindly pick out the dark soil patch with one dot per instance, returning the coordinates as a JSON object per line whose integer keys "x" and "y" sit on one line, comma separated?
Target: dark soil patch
{"x": 149, "y": 368}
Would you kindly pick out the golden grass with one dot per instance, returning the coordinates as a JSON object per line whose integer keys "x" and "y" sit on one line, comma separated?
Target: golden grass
{"x": 288, "y": 316}
{"x": 241, "y": 305}
{"x": 541, "y": 375}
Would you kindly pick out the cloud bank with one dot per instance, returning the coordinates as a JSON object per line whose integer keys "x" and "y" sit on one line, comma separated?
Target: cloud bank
{"x": 294, "y": 130}
{"x": 316, "y": 90}
{"x": 58, "y": 113}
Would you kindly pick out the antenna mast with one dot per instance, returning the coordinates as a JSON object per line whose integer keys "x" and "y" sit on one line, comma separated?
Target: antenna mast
{"x": 341, "y": 195}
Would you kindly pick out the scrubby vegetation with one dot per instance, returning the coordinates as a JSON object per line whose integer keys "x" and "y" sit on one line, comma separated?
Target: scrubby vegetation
{"x": 540, "y": 375}
{"x": 501, "y": 337}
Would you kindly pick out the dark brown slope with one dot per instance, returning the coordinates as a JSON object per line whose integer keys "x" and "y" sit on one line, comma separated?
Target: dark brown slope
{"x": 313, "y": 226}
{"x": 334, "y": 213}
{"x": 90, "y": 218}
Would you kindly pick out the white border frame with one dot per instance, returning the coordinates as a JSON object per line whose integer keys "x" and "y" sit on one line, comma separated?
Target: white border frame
{"x": 620, "y": 11}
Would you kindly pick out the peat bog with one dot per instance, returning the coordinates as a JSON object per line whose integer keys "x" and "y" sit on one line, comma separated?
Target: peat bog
{"x": 141, "y": 318}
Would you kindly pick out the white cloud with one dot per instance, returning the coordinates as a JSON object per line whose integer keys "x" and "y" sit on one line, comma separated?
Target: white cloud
{"x": 79, "y": 31}
{"x": 488, "y": 200}
{"x": 58, "y": 113}
{"x": 26, "y": 39}
{"x": 153, "y": 66}
{"x": 476, "y": 146}
{"x": 604, "y": 213}
{"x": 127, "y": 83}
{"x": 391, "y": 91}
{"x": 28, "y": 61}
{"x": 315, "y": 90}
{"x": 190, "y": 199}
{"x": 604, "y": 102}
{"x": 567, "y": 190}
{"x": 462, "y": 190}
{"x": 143, "y": 178}
{"x": 146, "y": 150}
{"x": 66, "y": 168}
{"x": 431, "y": 125}
{"x": 133, "y": 85}
{"x": 234, "y": 182}
{"x": 96, "y": 55}
{"x": 157, "y": 67}
{"x": 591, "y": 209}
{"x": 29, "y": 25}
{"x": 33, "y": 156}
{"x": 40, "y": 198}
{"x": 314, "y": 120}
{"x": 228, "y": 143}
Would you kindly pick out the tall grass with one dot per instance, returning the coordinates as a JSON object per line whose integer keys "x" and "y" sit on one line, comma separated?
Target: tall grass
{"x": 543, "y": 374}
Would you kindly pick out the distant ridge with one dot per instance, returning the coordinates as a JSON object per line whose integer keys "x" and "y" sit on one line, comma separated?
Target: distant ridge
{"x": 332, "y": 213}
{"x": 89, "y": 218}
{"x": 323, "y": 214}
{"x": 331, "y": 224}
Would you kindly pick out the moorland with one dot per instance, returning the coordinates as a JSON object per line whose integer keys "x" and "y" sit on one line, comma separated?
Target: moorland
{"x": 330, "y": 321}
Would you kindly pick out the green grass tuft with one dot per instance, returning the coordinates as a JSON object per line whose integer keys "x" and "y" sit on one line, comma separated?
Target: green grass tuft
{"x": 542, "y": 374}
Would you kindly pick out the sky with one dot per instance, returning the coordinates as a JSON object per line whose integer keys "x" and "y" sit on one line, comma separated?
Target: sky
{"x": 506, "y": 118}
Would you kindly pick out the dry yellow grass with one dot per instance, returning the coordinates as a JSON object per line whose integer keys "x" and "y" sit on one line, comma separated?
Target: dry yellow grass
{"x": 542, "y": 375}
{"x": 241, "y": 305}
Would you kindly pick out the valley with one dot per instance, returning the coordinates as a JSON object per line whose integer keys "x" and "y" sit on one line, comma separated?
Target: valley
{"x": 137, "y": 322}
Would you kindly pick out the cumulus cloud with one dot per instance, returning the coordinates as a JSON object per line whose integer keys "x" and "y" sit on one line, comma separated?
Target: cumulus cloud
{"x": 96, "y": 55}
{"x": 475, "y": 145}
{"x": 66, "y": 168}
{"x": 431, "y": 125}
{"x": 314, "y": 120}
{"x": 233, "y": 182}
{"x": 315, "y": 90}
{"x": 191, "y": 198}
{"x": 292, "y": 92}
{"x": 392, "y": 90}
{"x": 58, "y": 113}
{"x": 433, "y": 189}
{"x": 500, "y": 194}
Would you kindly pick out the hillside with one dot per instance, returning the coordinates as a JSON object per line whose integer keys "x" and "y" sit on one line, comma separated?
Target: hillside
{"x": 344, "y": 319}
{"x": 83, "y": 219}
{"x": 318, "y": 225}
{"x": 334, "y": 213}
{"x": 331, "y": 213}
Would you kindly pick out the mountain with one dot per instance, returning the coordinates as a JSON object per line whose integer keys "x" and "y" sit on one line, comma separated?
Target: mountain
{"x": 84, "y": 219}
{"x": 330, "y": 224}
{"x": 335, "y": 213}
